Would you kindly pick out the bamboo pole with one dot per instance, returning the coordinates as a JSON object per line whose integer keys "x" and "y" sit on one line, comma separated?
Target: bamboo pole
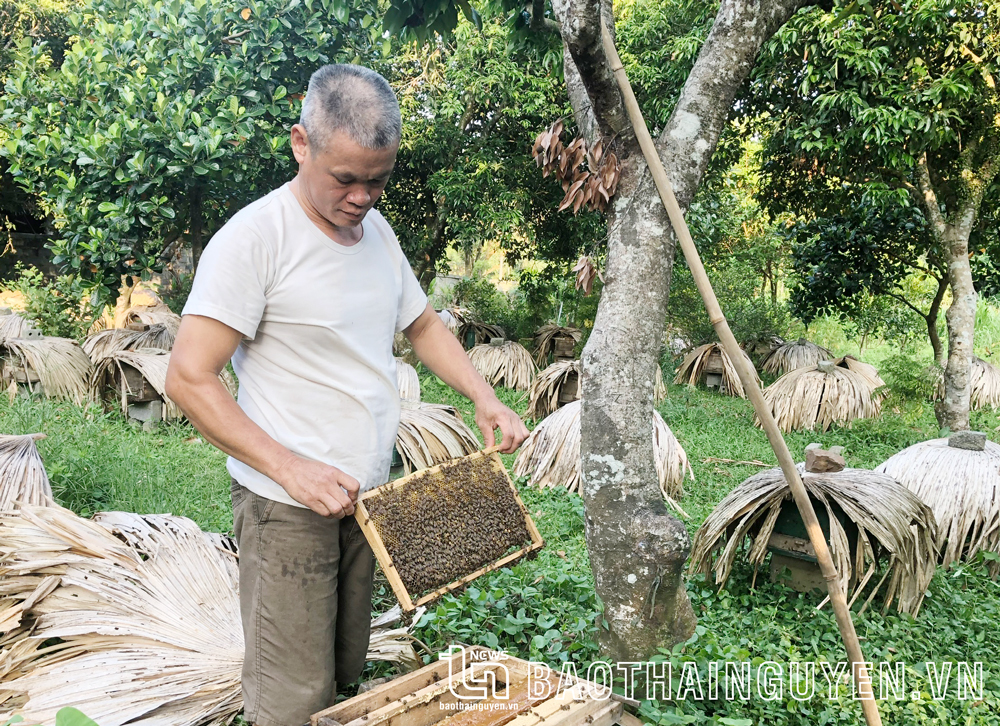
{"x": 862, "y": 680}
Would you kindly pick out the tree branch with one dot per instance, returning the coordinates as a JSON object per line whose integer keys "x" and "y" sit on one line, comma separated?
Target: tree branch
{"x": 724, "y": 61}
{"x": 538, "y": 20}
{"x": 908, "y": 304}
{"x": 581, "y": 34}
{"x": 929, "y": 197}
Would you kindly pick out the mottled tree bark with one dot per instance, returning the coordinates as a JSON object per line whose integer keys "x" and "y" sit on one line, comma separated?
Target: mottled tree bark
{"x": 637, "y": 549}
{"x": 952, "y": 229}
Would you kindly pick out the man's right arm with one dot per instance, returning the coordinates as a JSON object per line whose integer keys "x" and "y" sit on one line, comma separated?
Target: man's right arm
{"x": 203, "y": 346}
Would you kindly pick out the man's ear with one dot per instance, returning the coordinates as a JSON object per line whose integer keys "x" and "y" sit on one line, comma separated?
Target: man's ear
{"x": 300, "y": 143}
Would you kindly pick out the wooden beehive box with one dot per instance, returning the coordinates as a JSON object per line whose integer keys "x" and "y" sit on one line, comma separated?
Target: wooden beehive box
{"x": 570, "y": 389}
{"x": 563, "y": 347}
{"x": 137, "y": 389}
{"x": 438, "y": 529}
{"x": 475, "y": 687}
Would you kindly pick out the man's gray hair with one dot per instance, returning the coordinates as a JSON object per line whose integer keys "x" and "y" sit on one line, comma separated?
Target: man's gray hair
{"x": 352, "y": 99}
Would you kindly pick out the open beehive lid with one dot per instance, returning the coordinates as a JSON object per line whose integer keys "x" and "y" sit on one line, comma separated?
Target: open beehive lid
{"x": 438, "y": 529}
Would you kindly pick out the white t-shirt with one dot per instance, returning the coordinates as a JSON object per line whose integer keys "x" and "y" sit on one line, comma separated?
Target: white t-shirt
{"x": 315, "y": 365}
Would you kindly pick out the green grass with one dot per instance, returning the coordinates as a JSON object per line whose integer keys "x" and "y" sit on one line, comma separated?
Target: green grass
{"x": 546, "y": 609}
{"x": 97, "y": 461}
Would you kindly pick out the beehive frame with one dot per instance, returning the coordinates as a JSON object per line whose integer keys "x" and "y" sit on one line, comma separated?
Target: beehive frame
{"x": 423, "y": 697}
{"x": 378, "y": 545}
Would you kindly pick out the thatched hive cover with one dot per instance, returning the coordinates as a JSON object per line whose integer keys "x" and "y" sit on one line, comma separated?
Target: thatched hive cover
{"x": 545, "y": 338}
{"x": 508, "y": 364}
{"x": 550, "y": 457}
{"x": 865, "y": 370}
{"x": 407, "y": 381}
{"x": 698, "y": 362}
{"x": 985, "y": 379}
{"x": 432, "y": 433}
{"x": 23, "y": 480}
{"x": 961, "y": 487}
{"x": 820, "y": 396}
{"x": 103, "y": 342}
{"x": 59, "y": 364}
{"x": 12, "y": 325}
{"x": 890, "y": 519}
{"x": 794, "y": 354}
{"x": 559, "y": 384}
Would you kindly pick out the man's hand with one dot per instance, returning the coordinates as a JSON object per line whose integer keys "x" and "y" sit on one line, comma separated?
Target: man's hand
{"x": 440, "y": 351}
{"x": 324, "y": 489}
{"x": 490, "y": 415}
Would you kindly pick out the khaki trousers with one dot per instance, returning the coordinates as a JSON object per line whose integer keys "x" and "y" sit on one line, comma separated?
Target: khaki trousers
{"x": 305, "y": 602}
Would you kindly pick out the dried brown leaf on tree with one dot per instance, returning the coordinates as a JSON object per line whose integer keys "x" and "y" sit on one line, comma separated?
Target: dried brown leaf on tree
{"x": 586, "y": 271}
{"x": 572, "y": 191}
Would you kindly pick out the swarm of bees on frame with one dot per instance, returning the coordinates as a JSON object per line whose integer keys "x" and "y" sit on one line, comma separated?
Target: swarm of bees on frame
{"x": 586, "y": 188}
{"x": 438, "y": 529}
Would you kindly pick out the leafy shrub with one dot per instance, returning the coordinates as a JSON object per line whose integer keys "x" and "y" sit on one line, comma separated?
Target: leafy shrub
{"x": 58, "y": 305}
{"x": 750, "y": 316}
{"x": 510, "y": 312}
{"x": 176, "y": 295}
{"x": 909, "y": 384}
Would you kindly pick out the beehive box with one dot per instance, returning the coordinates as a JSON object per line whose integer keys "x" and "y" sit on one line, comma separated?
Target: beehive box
{"x": 438, "y": 529}
{"x": 475, "y": 687}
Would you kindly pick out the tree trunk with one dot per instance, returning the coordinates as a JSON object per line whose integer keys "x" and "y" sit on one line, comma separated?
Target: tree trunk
{"x": 953, "y": 410}
{"x": 195, "y": 229}
{"x": 637, "y": 549}
{"x": 932, "y": 318}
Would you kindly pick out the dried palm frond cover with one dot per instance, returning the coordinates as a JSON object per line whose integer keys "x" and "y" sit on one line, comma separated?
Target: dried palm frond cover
{"x": 12, "y": 326}
{"x": 794, "y": 354}
{"x": 451, "y": 319}
{"x": 659, "y": 387}
{"x": 891, "y": 521}
{"x": 407, "y": 381}
{"x": 545, "y": 340}
{"x": 548, "y": 385}
{"x": 23, "y": 480}
{"x": 108, "y": 341}
{"x": 961, "y": 487}
{"x": 108, "y": 382}
{"x": 809, "y": 398}
{"x": 483, "y": 332}
{"x": 430, "y": 433}
{"x": 550, "y": 457}
{"x": 693, "y": 368}
{"x": 865, "y": 370}
{"x": 62, "y": 367}
{"x": 158, "y": 314}
{"x": 145, "y": 611}
{"x": 507, "y": 365}
{"x": 131, "y": 618}
{"x": 985, "y": 381}
{"x": 762, "y": 344}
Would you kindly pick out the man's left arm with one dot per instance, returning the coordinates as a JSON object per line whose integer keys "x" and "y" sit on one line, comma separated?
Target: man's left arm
{"x": 440, "y": 351}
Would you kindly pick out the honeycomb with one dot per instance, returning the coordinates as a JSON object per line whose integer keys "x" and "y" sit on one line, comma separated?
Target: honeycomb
{"x": 446, "y": 522}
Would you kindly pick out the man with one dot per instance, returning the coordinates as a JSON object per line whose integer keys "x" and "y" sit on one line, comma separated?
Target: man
{"x": 304, "y": 289}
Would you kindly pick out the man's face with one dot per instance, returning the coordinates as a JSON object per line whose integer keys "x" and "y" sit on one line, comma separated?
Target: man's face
{"x": 343, "y": 180}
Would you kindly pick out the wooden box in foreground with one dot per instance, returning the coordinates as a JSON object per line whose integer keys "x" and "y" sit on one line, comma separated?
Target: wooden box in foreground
{"x": 438, "y": 529}
{"x": 475, "y": 687}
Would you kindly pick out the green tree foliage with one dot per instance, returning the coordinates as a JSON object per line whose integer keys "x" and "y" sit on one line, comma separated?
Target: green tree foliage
{"x": 858, "y": 100}
{"x": 164, "y": 118}
{"x": 464, "y": 174}
{"x": 38, "y": 21}
{"x": 896, "y": 103}
{"x": 858, "y": 266}
{"x": 54, "y": 304}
